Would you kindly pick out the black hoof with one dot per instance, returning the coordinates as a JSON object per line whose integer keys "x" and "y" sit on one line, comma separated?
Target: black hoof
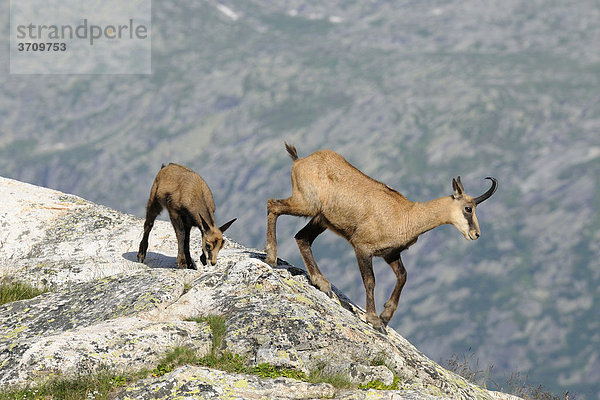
{"x": 140, "y": 258}
{"x": 382, "y": 330}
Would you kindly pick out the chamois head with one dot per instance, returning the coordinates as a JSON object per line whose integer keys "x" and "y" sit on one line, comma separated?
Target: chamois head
{"x": 212, "y": 241}
{"x": 463, "y": 215}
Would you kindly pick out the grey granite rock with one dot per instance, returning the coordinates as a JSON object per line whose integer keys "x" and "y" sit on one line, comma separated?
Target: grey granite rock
{"x": 92, "y": 324}
{"x": 106, "y": 310}
{"x": 203, "y": 383}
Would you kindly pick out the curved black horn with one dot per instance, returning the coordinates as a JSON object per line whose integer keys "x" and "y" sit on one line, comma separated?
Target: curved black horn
{"x": 490, "y": 192}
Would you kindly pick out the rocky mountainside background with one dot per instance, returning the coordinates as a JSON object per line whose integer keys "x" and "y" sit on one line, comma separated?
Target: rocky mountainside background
{"x": 411, "y": 92}
{"x": 104, "y": 310}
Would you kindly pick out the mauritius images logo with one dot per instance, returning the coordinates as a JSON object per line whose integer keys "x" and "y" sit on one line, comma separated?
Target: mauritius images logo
{"x": 80, "y": 37}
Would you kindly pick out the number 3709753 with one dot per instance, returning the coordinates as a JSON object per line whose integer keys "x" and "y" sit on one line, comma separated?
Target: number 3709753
{"x": 28, "y": 46}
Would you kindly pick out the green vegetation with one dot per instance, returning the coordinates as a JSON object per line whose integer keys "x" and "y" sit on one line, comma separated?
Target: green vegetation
{"x": 381, "y": 360}
{"x": 336, "y": 380}
{"x": 265, "y": 371}
{"x": 180, "y": 355}
{"x": 226, "y": 361}
{"x": 96, "y": 386}
{"x": 217, "y": 327}
{"x": 234, "y": 363}
{"x": 378, "y": 385}
{"x": 13, "y": 291}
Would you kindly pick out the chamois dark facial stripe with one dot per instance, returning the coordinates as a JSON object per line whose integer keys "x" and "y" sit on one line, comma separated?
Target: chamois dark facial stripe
{"x": 469, "y": 218}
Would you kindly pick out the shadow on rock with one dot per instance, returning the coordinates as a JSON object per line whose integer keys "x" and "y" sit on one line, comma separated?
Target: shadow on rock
{"x": 153, "y": 260}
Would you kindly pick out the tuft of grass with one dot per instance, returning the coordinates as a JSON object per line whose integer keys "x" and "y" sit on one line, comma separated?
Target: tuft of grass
{"x": 216, "y": 359}
{"x": 336, "y": 380}
{"x": 378, "y": 385}
{"x": 225, "y": 361}
{"x": 519, "y": 385}
{"x": 13, "y": 291}
{"x": 266, "y": 370}
{"x": 379, "y": 360}
{"x": 180, "y": 355}
{"x": 468, "y": 367}
{"x": 218, "y": 328}
{"x": 97, "y": 386}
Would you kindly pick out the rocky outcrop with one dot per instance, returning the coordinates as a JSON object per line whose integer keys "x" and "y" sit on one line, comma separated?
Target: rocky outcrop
{"x": 104, "y": 309}
{"x": 199, "y": 382}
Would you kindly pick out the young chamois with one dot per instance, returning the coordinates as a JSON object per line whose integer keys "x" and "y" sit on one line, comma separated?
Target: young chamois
{"x": 190, "y": 203}
{"x": 373, "y": 217}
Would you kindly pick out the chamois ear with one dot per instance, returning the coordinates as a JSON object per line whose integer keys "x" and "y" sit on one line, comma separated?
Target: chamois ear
{"x": 205, "y": 226}
{"x": 458, "y": 188}
{"x": 226, "y": 225}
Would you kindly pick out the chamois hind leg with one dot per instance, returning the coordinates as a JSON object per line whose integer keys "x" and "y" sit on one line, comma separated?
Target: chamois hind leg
{"x": 304, "y": 239}
{"x": 179, "y": 227}
{"x": 186, "y": 245}
{"x": 365, "y": 264}
{"x": 290, "y": 206}
{"x": 391, "y": 305}
{"x": 152, "y": 210}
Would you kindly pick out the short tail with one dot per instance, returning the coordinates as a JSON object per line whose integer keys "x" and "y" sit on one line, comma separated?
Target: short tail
{"x": 291, "y": 151}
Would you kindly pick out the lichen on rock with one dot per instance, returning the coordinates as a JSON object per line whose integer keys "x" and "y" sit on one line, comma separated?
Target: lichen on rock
{"x": 204, "y": 383}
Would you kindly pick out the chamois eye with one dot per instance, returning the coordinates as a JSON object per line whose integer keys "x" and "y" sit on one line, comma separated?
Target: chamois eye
{"x": 468, "y": 210}
{"x": 208, "y": 247}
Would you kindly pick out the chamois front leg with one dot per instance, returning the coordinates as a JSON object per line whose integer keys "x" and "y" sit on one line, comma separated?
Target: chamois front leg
{"x": 365, "y": 264}
{"x": 304, "y": 239}
{"x": 271, "y": 246}
{"x": 391, "y": 305}
{"x": 152, "y": 210}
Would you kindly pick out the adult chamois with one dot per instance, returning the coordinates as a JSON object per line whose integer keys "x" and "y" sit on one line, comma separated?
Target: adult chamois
{"x": 373, "y": 217}
{"x": 190, "y": 203}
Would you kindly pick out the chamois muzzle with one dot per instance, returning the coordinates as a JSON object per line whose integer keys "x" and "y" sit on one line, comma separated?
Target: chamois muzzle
{"x": 489, "y": 193}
